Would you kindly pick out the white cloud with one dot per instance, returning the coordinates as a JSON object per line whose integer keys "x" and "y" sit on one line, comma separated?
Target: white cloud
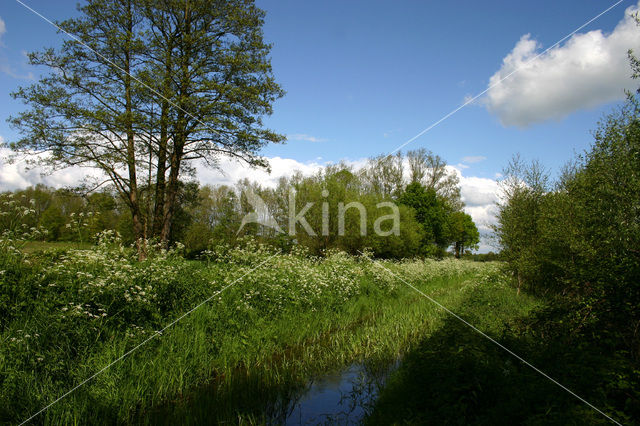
{"x": 471, "y": 159}
{"x": 232, "y": 171}
{"x": 477, "y": 191}
{"x": 588, "y": 70}
{"x": 18, "y": 174}
{"x": 304, "y": 137}
{"x": 3, "y": 27}
{"x": 479, "y": 196}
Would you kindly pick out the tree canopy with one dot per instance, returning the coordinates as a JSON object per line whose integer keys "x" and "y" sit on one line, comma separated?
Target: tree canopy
{"x": 143, "y": 88}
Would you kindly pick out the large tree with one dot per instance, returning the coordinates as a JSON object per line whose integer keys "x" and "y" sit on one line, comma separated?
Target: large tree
{"x": 217, "y": 84}
{"x": 149, "y": 86}
{"x": 85, "y": 111}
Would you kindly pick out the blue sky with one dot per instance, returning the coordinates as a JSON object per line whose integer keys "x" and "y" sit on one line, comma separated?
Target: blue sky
{"x": 367, "y": 76}
{"x": 363, "y": 77}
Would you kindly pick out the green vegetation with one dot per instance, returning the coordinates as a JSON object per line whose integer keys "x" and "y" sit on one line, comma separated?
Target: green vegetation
{"x": 171, "y": 82}
{"x": 572, "y": 244}
{"x": 68, "y": 313}
{"x": 429, "y": 209}
{"x": 456, "y": 376}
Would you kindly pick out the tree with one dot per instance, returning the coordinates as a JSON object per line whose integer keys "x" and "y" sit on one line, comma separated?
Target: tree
{"x": 462, "y": 232}
{"x": 431, "y": 171}
{"x": 384, "y": 175}
{"x": 84, "y": 112}
{"x": 53, "y": 222}
{"x": 217, "y": 76}
{"x": 152, "y": 86}
{"x": 431, "y": 212}
{"x": 525, "y": 188}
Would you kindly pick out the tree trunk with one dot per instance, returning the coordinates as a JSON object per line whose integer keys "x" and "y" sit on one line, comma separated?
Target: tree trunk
{"x": 158, "y": 215}
{"x": 138, "y": 228}
{"x": 180, "y": 132}
{"x": 158, "y": 218}
{"x": 171, "y": 193}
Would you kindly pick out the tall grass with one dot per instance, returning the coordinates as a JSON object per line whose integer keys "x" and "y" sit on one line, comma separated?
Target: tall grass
{"x": 240, "y": 357}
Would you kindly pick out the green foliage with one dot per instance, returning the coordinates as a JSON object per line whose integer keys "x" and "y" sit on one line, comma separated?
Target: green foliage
{"x": 53, "y": 221}
{"x": 525, "y": 188}
{"x": 463, "y": 232}
{"x": 197, "y": 238}
{"x": 430, "y": 211}
{"x": 441, "y": 223}
{"x": 580, "y": 239}
{"x": 67, "y": 313}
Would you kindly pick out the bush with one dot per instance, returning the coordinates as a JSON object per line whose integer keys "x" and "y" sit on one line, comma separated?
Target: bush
{"x": 580, "y": 239}
{"x": 197, "y": 239}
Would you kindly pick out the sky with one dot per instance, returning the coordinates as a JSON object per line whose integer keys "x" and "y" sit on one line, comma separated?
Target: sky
{"x": 364, "y": 77}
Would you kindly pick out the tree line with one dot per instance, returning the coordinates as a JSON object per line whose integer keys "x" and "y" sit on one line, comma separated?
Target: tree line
{"x": 344, "y": 208}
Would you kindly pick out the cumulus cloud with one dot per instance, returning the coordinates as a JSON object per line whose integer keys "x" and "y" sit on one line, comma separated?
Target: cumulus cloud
{"x": 304, "y": 137}
{"x": 232, "y": 171}
{"x": 3, "y": 27}
{"x": 19, "y": 174}
{"x": 479, "y": 196}
{"x": 588, "y": 70}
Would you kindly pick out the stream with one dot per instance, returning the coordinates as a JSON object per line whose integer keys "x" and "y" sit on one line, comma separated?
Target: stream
{"x": 342, "y": 397}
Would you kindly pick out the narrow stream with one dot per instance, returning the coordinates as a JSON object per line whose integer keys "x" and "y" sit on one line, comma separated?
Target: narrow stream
{"x": 343, "y": 397}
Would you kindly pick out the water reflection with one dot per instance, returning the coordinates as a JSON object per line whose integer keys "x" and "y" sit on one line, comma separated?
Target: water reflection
{"x": 343, "y": 397}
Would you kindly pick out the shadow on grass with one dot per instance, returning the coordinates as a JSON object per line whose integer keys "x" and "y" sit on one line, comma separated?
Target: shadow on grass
{"x": 456, "y": 376}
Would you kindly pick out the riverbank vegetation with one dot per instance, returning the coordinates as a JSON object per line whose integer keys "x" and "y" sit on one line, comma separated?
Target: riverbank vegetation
{"x": 572, "y": 244}
{"x": 69, "y": 313}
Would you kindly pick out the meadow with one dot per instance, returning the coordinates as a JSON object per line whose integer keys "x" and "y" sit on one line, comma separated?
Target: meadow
{"x": 282, "y": 319}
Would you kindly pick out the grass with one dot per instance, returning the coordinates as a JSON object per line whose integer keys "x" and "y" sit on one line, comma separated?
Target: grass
{"x": 455, "y": 376}
{"x": 239, "y": 358}
{"x": 36, "y": 246}
{"x": 375, "y": 328}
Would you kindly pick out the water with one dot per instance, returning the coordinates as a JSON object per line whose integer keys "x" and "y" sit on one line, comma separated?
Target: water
{"x": 343, "y": 397}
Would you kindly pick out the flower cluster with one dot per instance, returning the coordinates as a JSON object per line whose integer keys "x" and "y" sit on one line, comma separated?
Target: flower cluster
{"x": 17, "y": 221}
